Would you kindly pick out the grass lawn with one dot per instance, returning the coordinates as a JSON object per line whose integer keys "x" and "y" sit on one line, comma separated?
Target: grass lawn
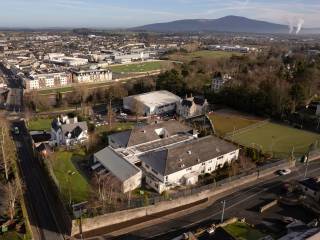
{"x": 205, "y": 54}
{"x": 64, "y": 162}
{"x": 242, "y": 231}
{"x": 55, "y": 90}
{"x": 225, "y": 123}
{"x": 12, "y": 236}
{"x": 277, "y": 138}
{"x": 140, "y": 67}
{"x": 116, "y": 127}
{"x": 40, "y": 124}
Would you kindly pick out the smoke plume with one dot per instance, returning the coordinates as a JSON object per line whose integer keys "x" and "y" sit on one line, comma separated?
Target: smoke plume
{"x": 299, "y": 25}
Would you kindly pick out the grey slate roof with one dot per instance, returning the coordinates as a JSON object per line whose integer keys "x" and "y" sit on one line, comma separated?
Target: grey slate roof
{"x": 117, "y": 165}
{"x": 73, "y": 128}
{"x": 187, "y": 154}
{"x": 144, "y": 134}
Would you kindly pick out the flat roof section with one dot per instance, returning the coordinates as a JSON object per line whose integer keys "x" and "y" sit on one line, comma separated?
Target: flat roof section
{"x": 117, "y": 165}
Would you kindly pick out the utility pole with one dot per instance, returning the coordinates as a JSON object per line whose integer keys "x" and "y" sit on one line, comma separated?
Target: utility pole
{"x": 80, "y": 226}
{"x": 307, "y": 162}
{"x": 223, "y": 207}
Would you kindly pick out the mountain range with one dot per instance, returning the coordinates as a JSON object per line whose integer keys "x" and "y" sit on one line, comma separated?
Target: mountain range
{"x": 224, "y": 24}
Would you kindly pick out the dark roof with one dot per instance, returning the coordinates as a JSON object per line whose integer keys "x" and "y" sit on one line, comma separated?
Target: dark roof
{"x": 186, "y": 103}
{"x": 311, "y": 183}
{"x": 55, "y": 124}
{"x": 74, "y": 128}
{"x": 42, "y": 147}
{"x": 41, "y": 137}
{"x": 184, "y": 155}
{"x": 145, "y": 134}
{"x": 199, "y": 100}
{"x": 75, "y": 132}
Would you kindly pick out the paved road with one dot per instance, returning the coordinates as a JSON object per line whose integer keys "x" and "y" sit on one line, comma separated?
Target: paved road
{"x": 243, "y": 203}
{"x": 47, "y": 217}
{"x": 15, "y": 86}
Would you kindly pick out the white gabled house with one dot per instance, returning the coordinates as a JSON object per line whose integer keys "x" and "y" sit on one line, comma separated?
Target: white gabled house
{"x": 68, "y": 131}
{"x": 181, "y": 164}
{"x": 192, "y": 107}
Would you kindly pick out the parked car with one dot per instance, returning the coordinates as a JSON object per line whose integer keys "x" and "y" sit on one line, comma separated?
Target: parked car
{"x": 211, "y": 229}
{"x": 16, "y": 131}
{"x": 283, "y": 172}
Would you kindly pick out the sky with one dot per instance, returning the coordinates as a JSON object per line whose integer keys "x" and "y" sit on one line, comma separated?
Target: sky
{"x": 130, "y": 13}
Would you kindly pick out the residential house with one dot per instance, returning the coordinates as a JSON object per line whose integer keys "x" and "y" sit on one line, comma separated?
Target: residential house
{"x": 192, "y": 107}
{"x": 68, "y": 131}
{"x": 91, "y": 76}
{"x": 311, "y": 188}
{"x": 219, "y": 81}
{"x": 182, "y": 163}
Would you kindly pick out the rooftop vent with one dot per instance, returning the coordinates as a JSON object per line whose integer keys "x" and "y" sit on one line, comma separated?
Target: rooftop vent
{"x": 189, "y": 152}
{"x": 182, "y": 165}
{"x": 198, "y": 160}
{"x": 180, "y": 160}
{"x": 217, "y": 150}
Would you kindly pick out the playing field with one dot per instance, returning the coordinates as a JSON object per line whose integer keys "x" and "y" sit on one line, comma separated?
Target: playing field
{"x": 274, "y": 138}
{"x": 204, "y": 54}
{"x": 140, "y": 67}
{"x": 226, "y": 123}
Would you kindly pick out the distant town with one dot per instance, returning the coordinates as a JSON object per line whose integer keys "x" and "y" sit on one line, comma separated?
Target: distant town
{"x": 110, "y": 134}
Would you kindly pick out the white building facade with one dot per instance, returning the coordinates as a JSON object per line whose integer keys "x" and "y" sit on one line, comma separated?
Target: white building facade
{"x": 92, "y": 76}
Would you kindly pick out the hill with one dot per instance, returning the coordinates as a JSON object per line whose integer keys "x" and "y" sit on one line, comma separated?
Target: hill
{"x": 224, "y": 24}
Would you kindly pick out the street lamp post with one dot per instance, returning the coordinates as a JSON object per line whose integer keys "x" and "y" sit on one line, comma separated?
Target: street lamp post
{"x": 70, "y": 173}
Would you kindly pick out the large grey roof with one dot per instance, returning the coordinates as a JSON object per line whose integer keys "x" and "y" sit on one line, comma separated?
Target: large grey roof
{"x": 145, "y": 134}
{"x": 117, "y": 165}
{"x": 171, "y": 159}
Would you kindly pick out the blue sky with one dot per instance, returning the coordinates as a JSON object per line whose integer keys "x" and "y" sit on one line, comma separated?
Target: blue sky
{"x": 128, "y": 13}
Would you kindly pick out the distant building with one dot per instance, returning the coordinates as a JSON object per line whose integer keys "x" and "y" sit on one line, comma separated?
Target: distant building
{"x": 60, "y": 58}
{"x": 131, "y": 57}
{"x": 90, "y": 76}
{"x": 47, "y": 80}
{"x": 68, "y": 131}
{"x": 218, "y": 81}
{"x": 157, "y": 102}
{"x": 192, "y": 106}
{"x": 182, "y": 163}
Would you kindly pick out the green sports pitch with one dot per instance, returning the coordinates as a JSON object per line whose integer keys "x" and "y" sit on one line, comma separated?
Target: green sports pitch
{"x": 277, "y": 139}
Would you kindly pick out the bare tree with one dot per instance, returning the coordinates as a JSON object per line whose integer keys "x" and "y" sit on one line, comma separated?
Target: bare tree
{"x": 137, "y": 108}
{"x": 13, "y": 194}
{"x": 7, "y": 148}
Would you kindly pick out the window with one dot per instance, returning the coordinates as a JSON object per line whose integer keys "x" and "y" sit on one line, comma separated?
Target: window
{"x": 147, "y": 166}
{"x": 166, "y": 178}
{"x": 189, "y": 169}
{"x": 203, "y": 163}
{"x": 154, "y": 171}
{"x": 221, "y": 157}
